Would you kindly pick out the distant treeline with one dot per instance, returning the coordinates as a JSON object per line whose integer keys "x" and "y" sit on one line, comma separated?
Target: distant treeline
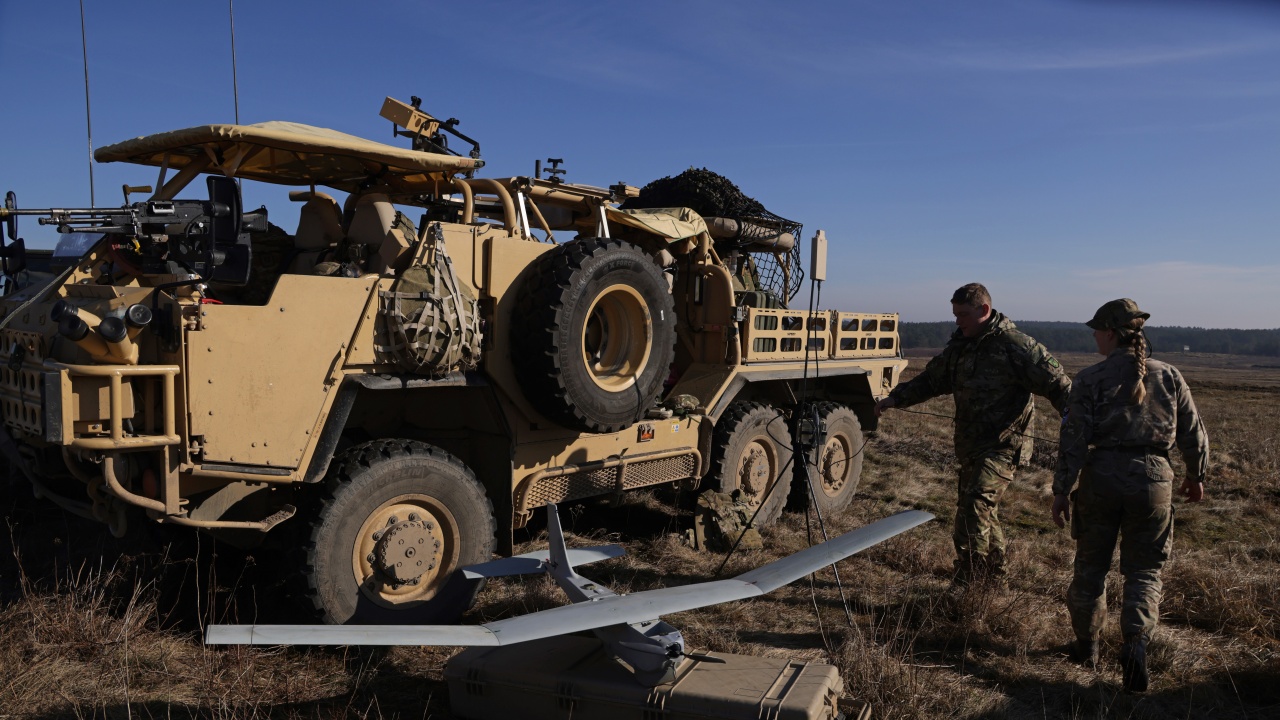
{"x": 1075, "y": 337}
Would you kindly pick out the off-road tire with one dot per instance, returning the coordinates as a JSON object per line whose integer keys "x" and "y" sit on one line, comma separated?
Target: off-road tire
{"x": 839, "y": 461}
{"x": 593, "y": 334}
{"x": 407, "y": 492}
{"x": 751, "y": 452}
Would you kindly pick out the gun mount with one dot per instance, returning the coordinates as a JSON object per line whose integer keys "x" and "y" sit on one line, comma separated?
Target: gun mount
{"x": 206, "y": 239}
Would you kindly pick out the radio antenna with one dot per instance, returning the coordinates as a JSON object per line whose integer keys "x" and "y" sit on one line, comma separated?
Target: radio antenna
{"x": 88, "y": 123}
{"x": 235, "y": 84}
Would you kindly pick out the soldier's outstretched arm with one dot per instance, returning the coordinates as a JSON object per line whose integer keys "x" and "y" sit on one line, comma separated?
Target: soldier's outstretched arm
{"x": 933, "y": 381}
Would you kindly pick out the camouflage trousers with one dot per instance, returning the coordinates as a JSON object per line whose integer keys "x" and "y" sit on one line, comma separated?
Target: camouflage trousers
{"x": 977, "y": 535}
{"x": 1128, "y": 495}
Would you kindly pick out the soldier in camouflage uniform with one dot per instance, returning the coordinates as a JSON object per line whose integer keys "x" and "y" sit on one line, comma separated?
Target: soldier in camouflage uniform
{"x": 1126, "y": 413}
{"x": 992, "y": 370}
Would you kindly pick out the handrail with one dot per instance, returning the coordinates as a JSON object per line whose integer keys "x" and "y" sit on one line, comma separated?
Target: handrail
{"x": 500, "y": 190}
{"x": 157, "y": 508}
{"x": 115, "y": 375}
{"x": 468, "y": 202}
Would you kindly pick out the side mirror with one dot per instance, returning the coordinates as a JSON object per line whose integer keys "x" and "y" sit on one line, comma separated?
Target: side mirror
{"x": 232, "y": 260}
{"x": 224, "y": 210}
{"x": 11, "y": 222}
{"x": 14, "y": 257}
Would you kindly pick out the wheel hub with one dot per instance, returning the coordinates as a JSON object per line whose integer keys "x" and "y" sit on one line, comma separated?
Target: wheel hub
{"x": 406, "y": 550}
{"x": 616, "y": 338}
{"x": 833, "y": 466}
{"x": 754, "y": 477}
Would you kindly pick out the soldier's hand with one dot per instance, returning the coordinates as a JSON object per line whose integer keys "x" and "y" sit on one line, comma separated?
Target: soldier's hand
{"x": 1191, "y": 491}
{"x": 884, "y": 404}
{"x": 1061, "y": 510}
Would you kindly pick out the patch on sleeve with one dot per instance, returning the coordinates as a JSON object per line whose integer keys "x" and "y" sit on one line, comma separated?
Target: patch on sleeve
{"x": 1053, "y": 361}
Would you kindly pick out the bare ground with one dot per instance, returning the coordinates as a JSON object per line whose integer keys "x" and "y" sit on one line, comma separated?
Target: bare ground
{"x": 92, "y": 627}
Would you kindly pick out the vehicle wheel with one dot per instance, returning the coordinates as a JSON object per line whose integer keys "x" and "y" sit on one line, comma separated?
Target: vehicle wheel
{"x": 839, "y": 461}
{"x": 751, "y": 452}
{"x": 593, "y": 334}
{"x": 397, "y": 520}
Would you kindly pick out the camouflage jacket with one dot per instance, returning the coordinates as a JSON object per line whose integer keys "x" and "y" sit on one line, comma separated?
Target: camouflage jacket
{"x": 1100, "y": 415}
{"x": 992, "y": 377}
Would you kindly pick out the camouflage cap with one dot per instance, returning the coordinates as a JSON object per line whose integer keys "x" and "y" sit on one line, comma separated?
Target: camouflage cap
{"x": 1116, "y": 314}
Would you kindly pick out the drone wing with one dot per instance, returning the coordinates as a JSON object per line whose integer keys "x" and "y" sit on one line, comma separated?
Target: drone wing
{"x": 443, "y": 635}
{"x": 596, "y": 613}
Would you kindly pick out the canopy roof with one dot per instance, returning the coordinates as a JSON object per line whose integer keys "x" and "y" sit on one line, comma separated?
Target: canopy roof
{"x": 289, "y": 153}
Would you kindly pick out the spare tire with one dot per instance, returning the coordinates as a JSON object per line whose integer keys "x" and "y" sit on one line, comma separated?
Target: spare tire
{"x": 593, "y": 334}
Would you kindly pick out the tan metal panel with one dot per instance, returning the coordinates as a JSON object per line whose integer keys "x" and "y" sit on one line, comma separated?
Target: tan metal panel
{"x": 705, "y": 381}
{"x": 371, "y": 331}
{"x": 646, "y": 436}
{"x": 505, "y": 261}
{"x": 254, "y": 397}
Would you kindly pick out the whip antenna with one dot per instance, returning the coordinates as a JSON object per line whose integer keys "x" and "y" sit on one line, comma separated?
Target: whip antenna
{"x": 84, "y": 49}
{"x": 235, "y": 85}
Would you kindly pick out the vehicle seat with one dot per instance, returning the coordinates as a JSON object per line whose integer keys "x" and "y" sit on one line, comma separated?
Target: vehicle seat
{"x": 386, "y": 233}
{"x": 319, "y": 228}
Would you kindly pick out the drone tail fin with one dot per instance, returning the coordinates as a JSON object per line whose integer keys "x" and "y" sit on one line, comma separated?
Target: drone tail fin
{"x": 559, "y": 565}
{"x": 557, "y": 560}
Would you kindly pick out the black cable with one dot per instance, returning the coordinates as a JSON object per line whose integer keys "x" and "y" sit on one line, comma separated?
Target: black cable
{"x": 952, "y": 418}
{"x": 813, "y": 505}
{"x": 813, "y": 295}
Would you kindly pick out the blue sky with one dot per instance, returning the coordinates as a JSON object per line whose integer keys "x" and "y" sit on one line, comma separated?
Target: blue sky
{"x": 1064, "y": 153}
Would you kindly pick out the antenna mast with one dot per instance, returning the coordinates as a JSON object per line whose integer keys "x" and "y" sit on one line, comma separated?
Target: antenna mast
{"x": 84, "y": 48}
{"x": 235, "y": 85}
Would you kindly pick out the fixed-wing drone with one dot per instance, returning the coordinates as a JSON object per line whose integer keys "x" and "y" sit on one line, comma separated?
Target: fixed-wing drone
{"x": 628, "y": 625}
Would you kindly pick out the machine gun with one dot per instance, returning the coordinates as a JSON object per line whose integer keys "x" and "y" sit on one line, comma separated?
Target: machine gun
{"x": 205, "y": 238}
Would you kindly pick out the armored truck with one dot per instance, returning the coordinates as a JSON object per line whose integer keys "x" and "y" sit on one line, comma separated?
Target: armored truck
{"x": 392, "y": 398}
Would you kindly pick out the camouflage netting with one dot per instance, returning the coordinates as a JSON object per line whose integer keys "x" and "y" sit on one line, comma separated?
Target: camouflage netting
{"x": 707, "y": 193}
{"x": 713, "y": 195}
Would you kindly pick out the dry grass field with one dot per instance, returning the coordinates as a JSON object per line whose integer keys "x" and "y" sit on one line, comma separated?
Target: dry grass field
{"x": 92, "y": 627}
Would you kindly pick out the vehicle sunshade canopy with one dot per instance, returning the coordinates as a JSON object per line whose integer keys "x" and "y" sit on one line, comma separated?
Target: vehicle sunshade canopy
{"x": 289, "y": 153}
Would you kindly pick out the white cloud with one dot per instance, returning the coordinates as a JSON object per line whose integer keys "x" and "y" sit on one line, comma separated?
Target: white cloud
{"x": 1009, "y": 59}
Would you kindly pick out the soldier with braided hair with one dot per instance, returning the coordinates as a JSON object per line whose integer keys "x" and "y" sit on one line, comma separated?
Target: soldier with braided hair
{"x": 1125, "y": 414}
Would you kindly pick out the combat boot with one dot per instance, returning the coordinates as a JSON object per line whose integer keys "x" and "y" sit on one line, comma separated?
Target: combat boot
{"x": 1133, "y": 662}
{"x": 1085, "y": 652}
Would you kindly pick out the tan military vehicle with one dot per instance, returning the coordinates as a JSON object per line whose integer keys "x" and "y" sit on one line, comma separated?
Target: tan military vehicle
{"x": 405, "y": 394}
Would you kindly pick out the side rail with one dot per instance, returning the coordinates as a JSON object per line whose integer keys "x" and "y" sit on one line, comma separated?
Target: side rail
{"x": 782, "y": 335}
{"x": 857, "y": 335}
